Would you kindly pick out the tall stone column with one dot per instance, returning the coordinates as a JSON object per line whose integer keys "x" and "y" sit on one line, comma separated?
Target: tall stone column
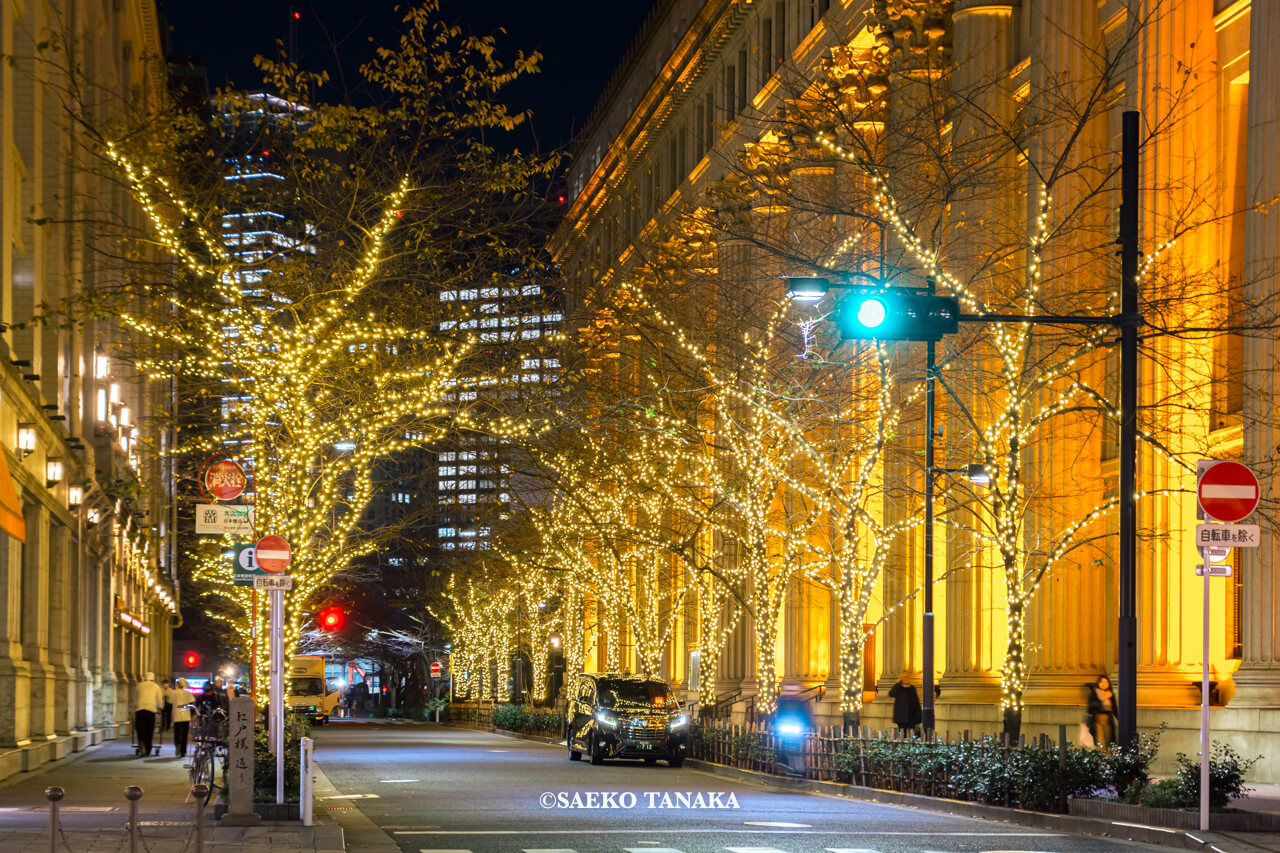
{"x": 15, "y": 727}
{"x": 36, "y": 606}
{"x": 1067, "y": 622}
{"x": 1258, "y": 679}
{"x": 984, "y": 42}
{"x": 1174, "y": 399}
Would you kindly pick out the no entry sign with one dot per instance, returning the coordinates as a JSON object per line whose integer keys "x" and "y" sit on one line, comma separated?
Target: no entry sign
{"x": 1227, "y": 491}
{"x": 272, "y": 554}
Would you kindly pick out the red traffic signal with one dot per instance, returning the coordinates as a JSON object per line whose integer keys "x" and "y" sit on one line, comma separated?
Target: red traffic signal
{"x": 192, "y": 660}
{"x": 331, "y": 619}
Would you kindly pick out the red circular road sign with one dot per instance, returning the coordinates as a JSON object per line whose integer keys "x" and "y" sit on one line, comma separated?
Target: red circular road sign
{"x": 272, "y": 554}
{"x": 435, "y": 669}
{"x": 1227, "y": 491}
{"x": 224, "y": 480}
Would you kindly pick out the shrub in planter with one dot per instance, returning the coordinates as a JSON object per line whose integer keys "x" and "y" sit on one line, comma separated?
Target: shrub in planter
{"x": 1226, "y": 776}
{"x": 1165, "y": 794}
{"x": 1128, "y": 768}
{"x": 264, "y": 762}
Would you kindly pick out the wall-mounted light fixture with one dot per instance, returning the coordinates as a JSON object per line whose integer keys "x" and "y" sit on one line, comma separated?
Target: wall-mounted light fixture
{"x": 115, "y": 393}
{"x": 101, "y": 366}
{"x": 75, "y": 497}
{"x": 52, "y": 471}
{"x": 26, "y": 439}
{"x": 102, "y": 410}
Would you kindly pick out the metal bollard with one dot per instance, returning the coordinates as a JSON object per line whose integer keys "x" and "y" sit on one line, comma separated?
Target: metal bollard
{"x": 54, "y": 794}
{"x": 133, "y": 793}
{"x": 199, "y": 792}
{"x": 308, "y": 766}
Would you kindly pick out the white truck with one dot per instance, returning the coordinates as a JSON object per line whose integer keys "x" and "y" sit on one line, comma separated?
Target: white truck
{"x": 307, "y": 693}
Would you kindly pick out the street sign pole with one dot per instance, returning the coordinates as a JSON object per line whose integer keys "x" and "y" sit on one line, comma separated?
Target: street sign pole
{"x": 277, "y": 687}
{"x": 1204, "y": 706}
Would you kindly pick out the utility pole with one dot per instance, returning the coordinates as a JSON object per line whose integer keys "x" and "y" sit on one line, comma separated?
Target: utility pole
{"x": 1127, "y": 629}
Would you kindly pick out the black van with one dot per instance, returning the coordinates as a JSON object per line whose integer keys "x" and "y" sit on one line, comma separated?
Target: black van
{"x": 625, "y": 716}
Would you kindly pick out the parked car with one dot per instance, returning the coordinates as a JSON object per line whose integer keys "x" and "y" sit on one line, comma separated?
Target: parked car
{"x": 625, "y": 716}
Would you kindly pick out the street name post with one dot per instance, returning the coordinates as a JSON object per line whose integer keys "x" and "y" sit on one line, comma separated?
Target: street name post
{"x": 1225, "y": 492}
{"x": 240, "y": 764}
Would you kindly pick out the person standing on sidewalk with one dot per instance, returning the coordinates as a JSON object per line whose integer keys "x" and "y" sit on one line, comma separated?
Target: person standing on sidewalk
{"x": 182, "y": 700}
{"x": 150, "y": 700}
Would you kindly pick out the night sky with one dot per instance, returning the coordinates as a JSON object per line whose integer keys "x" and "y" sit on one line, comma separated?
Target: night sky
{"x": 582, "y": 42}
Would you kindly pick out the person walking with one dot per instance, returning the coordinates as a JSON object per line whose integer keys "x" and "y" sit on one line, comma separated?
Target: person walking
{"x": 907, "y": 715}
{"x": 166, "y": 716}
{"x": 182, "y": 700}
{"x": 150, "y": 701}
{"x": 1102, "y": 713}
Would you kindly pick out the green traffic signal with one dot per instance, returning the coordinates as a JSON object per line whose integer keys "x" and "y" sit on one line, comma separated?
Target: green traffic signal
{"x": 897, "y": 314}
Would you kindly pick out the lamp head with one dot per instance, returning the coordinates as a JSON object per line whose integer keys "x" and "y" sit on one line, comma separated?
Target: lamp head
{"x": 807, "y": 288}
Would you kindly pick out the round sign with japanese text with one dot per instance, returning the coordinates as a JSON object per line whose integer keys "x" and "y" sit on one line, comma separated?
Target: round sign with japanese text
{"x": 1227, "y": 491}
{"x": 272, "y": 554}
{"x": 224, "y": 480}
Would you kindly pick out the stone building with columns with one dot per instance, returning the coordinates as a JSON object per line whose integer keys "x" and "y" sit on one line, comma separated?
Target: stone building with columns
{"x": 707, "y": 80}
{"x": 88, "y": 592}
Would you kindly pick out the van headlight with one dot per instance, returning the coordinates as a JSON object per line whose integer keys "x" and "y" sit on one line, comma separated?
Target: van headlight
{"x": 679, "y": 721}
{"x": 605, "y": 718}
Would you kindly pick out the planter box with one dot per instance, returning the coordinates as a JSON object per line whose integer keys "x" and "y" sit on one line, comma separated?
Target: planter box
{"x": 266, "y": 811}
{"x": 1174, "y": 818}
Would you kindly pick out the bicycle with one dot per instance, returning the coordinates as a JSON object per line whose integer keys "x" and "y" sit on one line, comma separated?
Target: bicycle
{"x": 209, "y": 736}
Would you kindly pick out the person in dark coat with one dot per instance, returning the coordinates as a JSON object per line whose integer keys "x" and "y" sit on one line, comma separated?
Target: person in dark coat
{"x": 1102, "y": 712}
{"x": 906, "y": 705}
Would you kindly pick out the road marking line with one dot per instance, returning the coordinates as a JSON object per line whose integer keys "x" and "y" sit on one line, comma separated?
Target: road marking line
{"x": 651, "y": 849}
{"x": 754, "y": 850}
{"x": 778, "y": 823}
{"x": 703, "y": 831}
{"x": 851, "y": 850}
{"x": 442, "y": 850}
{"x": 389, "y": 781}
{"x": 352, "y": 797}
{"x": 549, "y": 850}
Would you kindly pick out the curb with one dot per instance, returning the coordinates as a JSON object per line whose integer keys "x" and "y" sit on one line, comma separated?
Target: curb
{"x": 1162, "y": 836}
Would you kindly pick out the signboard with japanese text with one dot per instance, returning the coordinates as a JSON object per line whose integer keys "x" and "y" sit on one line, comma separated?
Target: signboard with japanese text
{"x": 224, "y": 480}
{"x": 240, "y": 759}
{"x": 227, "y": 520}
{"x": 1229, "y": 535}
{"x": 273, "y": 582}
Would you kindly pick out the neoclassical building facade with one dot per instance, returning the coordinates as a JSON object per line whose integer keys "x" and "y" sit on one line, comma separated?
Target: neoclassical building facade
{"x": 88, "y": 592}
{"x": 707, "y": 81}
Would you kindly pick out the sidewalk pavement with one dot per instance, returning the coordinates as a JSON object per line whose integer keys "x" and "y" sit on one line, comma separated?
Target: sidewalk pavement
{"x": 94, "y": 813}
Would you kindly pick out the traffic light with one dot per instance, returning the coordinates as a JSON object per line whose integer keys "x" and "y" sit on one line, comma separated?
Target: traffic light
{"x": 192, "y": 660}
{"x": 897, "y": 314}
{"x": 331, "y": 619}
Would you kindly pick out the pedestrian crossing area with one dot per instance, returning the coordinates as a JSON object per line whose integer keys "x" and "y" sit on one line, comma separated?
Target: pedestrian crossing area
{"x": 721, "y": 849}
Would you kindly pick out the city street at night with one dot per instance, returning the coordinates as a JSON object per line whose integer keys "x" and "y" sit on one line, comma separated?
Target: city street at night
{"x": 452, "y": 789}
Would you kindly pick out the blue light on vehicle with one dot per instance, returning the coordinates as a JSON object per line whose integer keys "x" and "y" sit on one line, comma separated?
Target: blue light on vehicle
{"x": 607, "y": 719}
{"x": 789, "y": 727}
{"x": 679, "y": 721}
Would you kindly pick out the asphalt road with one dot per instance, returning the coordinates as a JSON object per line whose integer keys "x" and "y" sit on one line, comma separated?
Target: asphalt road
{"x": 442, "y": 789}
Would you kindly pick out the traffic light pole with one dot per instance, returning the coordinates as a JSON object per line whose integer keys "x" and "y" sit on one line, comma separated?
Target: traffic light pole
{"x": 1127, "y": 628}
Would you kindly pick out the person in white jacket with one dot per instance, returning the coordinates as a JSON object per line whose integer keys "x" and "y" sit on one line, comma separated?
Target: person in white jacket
{"x": 181, "y": 698}
{"x": 149, "y": 701}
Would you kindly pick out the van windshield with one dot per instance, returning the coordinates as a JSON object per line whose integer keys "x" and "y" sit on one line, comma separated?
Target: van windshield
{"x": 306, "y": 686}
{"x": 636, "y": 693}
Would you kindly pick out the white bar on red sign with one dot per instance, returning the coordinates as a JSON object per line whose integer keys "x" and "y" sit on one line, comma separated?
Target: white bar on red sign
{"x": 1220, "y": 490}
